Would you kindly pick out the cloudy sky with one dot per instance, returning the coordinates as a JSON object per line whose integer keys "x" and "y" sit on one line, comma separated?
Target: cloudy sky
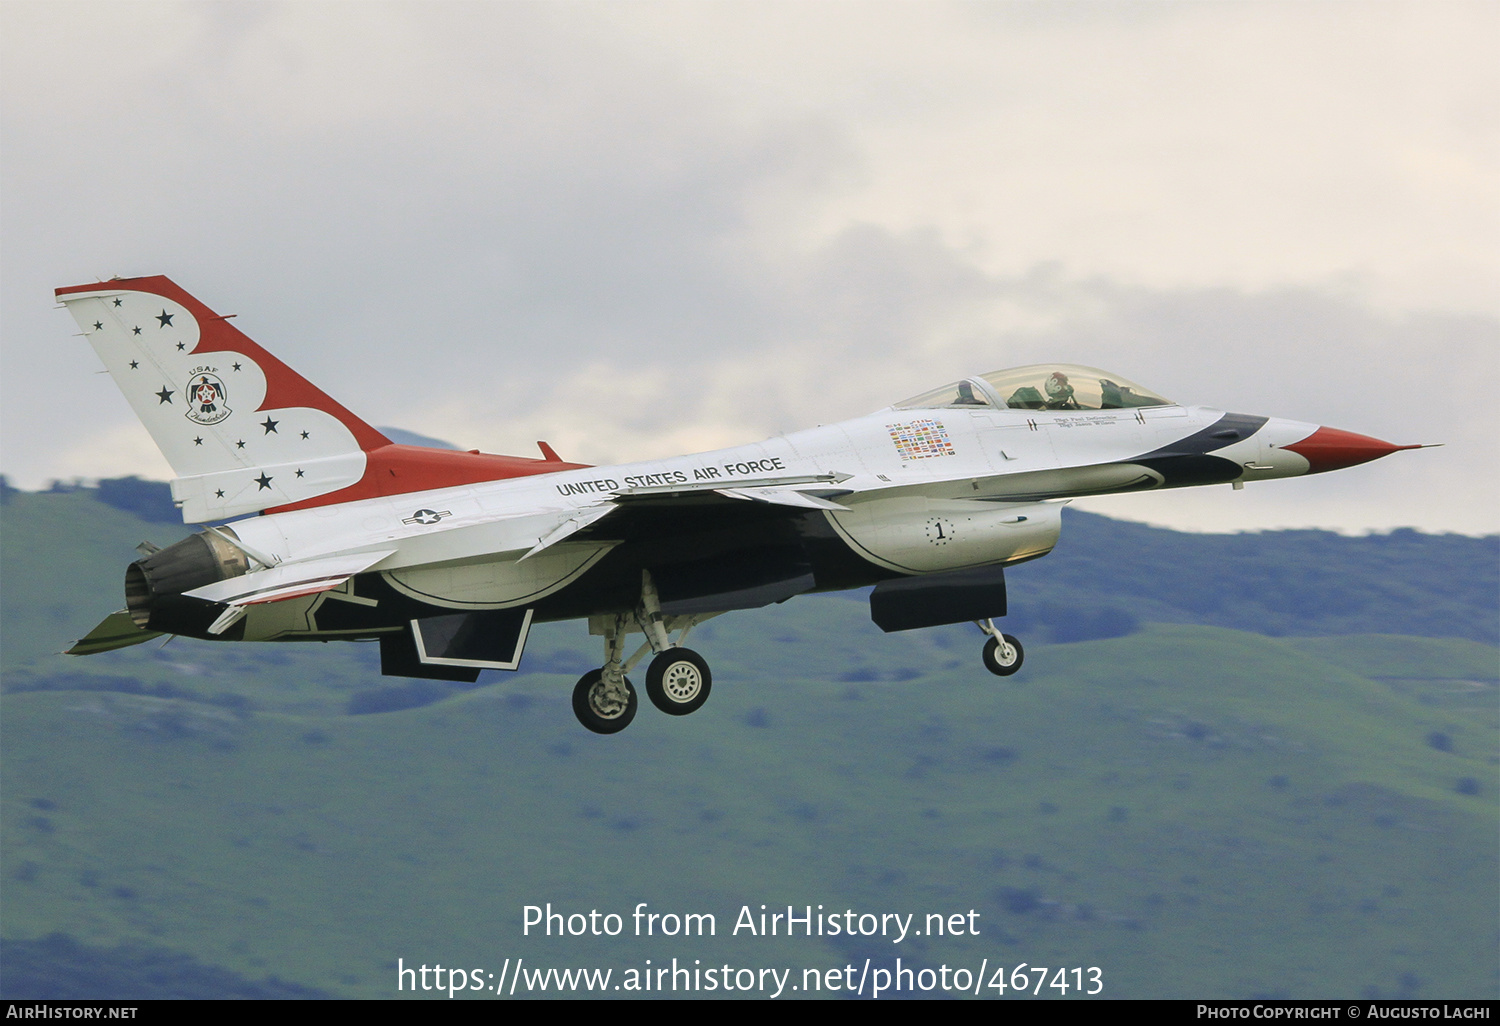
{"x": 639, "y": 229}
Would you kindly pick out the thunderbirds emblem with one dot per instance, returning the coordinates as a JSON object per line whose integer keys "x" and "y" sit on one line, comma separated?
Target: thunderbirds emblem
{"x": 206, "y": 398}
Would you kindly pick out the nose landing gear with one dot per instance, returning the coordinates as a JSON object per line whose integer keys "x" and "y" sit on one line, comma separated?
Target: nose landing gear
{"x": 1002, "y": 653}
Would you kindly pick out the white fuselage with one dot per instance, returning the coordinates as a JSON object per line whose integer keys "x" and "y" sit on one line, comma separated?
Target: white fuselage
{"x": 921, "y": 491}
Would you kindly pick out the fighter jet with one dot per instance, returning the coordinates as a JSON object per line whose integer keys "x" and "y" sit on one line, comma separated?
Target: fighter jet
{"x": 319, "y": 527}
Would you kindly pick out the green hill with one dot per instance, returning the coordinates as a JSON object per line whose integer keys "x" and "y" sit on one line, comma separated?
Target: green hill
{"x": 1195, "y": 810}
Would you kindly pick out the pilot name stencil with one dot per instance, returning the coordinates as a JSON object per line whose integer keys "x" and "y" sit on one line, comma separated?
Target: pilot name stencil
{"x": 1068, "y": 422}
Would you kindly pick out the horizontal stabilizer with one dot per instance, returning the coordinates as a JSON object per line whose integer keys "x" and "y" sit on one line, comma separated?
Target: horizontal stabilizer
{"x": 232, "y": 493}
{"x": 117, "y": 630}
{"x": 289, "y": 580}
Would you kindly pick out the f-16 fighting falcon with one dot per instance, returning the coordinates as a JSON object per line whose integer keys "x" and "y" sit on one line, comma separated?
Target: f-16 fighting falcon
{"x": 447, "y": 558}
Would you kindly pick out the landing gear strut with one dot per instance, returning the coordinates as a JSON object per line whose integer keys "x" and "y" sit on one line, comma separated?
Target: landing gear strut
{"x": 604, "y": 700}
{"x": 677, "y": 681}
{"x": 1002, "y": 653}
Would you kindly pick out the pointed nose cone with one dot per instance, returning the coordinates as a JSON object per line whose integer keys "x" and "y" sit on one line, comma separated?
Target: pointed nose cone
{"x": 1331, "y": 449}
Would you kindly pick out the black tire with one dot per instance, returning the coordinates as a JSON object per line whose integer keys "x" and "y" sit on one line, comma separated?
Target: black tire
{"x": 593, "y": 714}
{"x": 992, "y": 660}
{"x": 678, "y": 681}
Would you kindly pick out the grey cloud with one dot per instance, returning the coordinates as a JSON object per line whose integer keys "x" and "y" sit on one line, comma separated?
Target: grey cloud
{"x": 460, "y": 214}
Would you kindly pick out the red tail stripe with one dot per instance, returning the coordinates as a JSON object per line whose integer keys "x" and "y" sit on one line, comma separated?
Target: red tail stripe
{"x": 399, "y": 469}
{"x": 285, "y": 388}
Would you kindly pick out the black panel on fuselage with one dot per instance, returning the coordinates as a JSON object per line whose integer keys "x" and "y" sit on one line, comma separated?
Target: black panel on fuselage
{"x": 742, "y": 550}
{"x": 705, "y": 557}
{"x": 1228, "y": 429}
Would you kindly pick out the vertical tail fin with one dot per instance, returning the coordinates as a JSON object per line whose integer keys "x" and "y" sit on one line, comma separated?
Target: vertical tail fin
{"x": 242, "y": 430}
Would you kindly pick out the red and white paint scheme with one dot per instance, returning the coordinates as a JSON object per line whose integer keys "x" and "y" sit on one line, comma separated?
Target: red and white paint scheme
{"x": 447, "y": 558}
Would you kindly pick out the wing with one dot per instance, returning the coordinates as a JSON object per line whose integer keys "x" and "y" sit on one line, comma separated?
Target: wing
{"x": 811, "y": 491}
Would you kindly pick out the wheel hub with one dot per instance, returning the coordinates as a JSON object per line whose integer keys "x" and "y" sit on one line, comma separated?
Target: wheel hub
{"x": 607, "y": 702}
{"x": 682, "y": 682}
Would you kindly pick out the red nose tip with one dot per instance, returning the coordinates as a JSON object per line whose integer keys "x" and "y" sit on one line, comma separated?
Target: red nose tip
{"x": 1331, "y": 449}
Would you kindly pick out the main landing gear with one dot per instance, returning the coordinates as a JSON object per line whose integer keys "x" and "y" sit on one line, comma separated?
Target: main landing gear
{"x": 1002, "y": 653}
{"x": 677, "y": 681}
{"x": 604, "y": 707}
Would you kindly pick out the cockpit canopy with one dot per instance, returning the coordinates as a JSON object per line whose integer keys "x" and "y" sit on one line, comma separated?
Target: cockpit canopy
{"x": 1042, "y": 386}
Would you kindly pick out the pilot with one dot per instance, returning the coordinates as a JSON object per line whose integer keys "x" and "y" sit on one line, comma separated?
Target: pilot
{"x": 1059, "y": 392}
